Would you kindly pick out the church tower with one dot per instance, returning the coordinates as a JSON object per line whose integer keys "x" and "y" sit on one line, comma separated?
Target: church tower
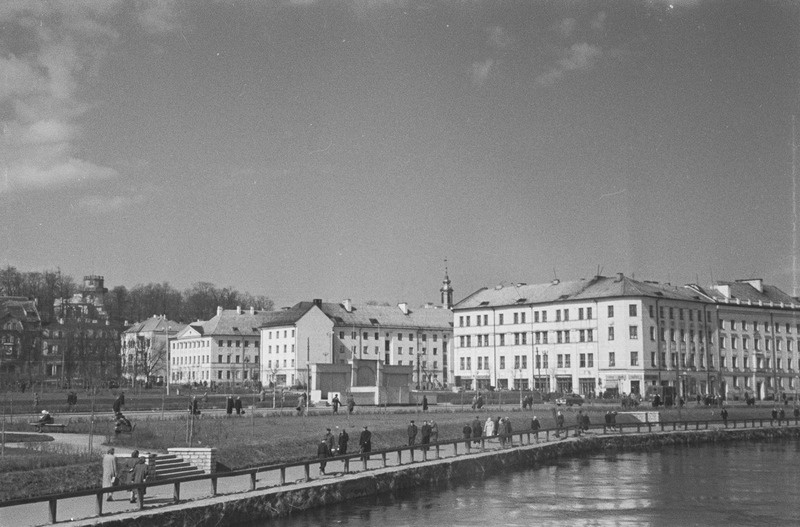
{"x": 446, "y": 290}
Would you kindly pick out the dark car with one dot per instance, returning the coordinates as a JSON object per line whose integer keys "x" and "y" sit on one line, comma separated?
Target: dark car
{"x": 569, "y": 400}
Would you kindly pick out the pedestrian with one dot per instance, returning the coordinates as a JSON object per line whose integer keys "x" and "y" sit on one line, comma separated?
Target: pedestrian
{"x": 343, "y": 439}
{"x": 229, "y": 405}
{"x": 138, "y": 473}
{"x": 35, "y": 401}
{"x": 476, "y": 430}
{"x": 559, "y": 423}
{"x": 507, "y": 430}
{"x": 488, "y": 427}
{"x": 365, "y": 441}
{"x": 781, "y": 416}
{"x": 614, "y": 420}
{"x": 323, "y": 453}
{"x": 535, "y": 426}
{"x": 495, "y": 426}
{"x": 608, "y": 420}
{"x": 578, "y": 423}
{"x": 335, "y": 403}
{"x": 301, "y": 403}
{"x": 110, "y": 477}
{"x": 351, "y": 404}
{"x": 434, "y": 432}
{"x": 467, "y": 431}
{"x": 774, "y": 413}
{"x": 425, "y": 433}
{"x": 424, "y": 403}
{"x": 724, "y": 414}
{"x": 329, "y": 440}
{"x": 237, "y": 405}
{"x": 412, "y": 433}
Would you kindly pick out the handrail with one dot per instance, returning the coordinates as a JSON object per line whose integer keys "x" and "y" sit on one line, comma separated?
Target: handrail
{"x": 621, "y": 428}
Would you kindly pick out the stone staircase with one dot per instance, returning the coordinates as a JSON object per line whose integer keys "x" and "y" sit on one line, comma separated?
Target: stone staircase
{"x": 172, "y": 466}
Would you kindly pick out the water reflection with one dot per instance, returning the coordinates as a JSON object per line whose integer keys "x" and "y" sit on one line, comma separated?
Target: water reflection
{"x": 741, "y": 484}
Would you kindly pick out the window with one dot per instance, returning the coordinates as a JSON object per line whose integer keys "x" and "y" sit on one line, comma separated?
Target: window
{"x": 580, "y": 313}
{"x": 744, "y": 325}
{"x": 610, "y": 311}
{"x": 634, "y": 358}
{"x": 582, "y": 360}
{"x": 566, "y": 314}
{"x": 499, "y": 320}
{"x": 544, "y": 317}
{"x": 566, "y": 361}
{"x": 558, "y": 315}
{"x": 650, "y": 311}
{"x": 502, "y": 363}
{"x": 559, "y": 339}
{"x": 612, "y": 361}
{"x": 611, "y": 333}
{"x": 745, "y": 343}
{"x": 560, "y": 360}
{"x": 733, "y": 325}
{"x": 633, "y": 332}
{"x": 516, "y": 318}
{"x": 536, "y": 316}
{"x": 589, "y": 313}
{"x": 590, "y": 360}
{"x": 632, "y": 310}
{"x": 502, "y": 339}
{"x": 652, "y": 333}
{"x": 522, "y": 317}
{"x": 582, "y": 335}
{"x": 589, "y": 335}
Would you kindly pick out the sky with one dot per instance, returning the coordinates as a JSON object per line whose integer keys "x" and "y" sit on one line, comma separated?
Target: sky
{"x": 347, "y": 149}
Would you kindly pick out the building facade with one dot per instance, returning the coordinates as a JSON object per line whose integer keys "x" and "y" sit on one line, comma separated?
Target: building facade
{"x": 143, "y": 350}
{"x": 20, "y": 337}
{"x": 224, "y": 350}
{"x": 619, "y": 335}
{"x": 338, "y": 333}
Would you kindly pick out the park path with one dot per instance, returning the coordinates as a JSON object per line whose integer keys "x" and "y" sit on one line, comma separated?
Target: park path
{"x": 84, "y": 507}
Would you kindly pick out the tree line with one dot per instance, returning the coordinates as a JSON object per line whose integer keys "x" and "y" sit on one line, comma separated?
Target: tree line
{"x": 198, "y": 302}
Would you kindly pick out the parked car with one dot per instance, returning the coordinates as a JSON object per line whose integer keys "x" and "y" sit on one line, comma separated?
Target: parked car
{"x": 569, "y": 400}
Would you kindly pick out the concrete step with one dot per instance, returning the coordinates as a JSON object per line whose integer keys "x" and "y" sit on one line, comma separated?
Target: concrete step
{"x": 171, "y": 466}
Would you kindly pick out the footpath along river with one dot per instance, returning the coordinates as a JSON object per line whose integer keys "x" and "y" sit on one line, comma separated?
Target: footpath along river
{"x": 724, "y": 484}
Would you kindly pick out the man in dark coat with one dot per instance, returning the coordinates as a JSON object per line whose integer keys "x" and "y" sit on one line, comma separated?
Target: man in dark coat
{"x": 724, "y": 414}
{"x": 412, "y": 433}
{"x": 329, "y": 440}
{"x": 323, "y": 453}
{"x": 477, "y": 429}
{"x": 365, "y": 441}
{"x": 343, "y": 439}
{"x": 335, "y": 403}
{"x": 351, "y": 404}
{"x": 237, "y": 405}
{"x": 467, "y": 431}
{"x": 424, "y": 403}
{"x": 119, "y": 402}
{"x": 229, "y": 405}
{"x": 425, "y": 433}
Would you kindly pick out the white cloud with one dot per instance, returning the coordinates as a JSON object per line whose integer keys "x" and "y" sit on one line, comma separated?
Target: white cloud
{"x": 101, "y": 205}
{"x": 59, "y": 48}
{"x": 579, "y": 56}
{"x": 480, "y": 71}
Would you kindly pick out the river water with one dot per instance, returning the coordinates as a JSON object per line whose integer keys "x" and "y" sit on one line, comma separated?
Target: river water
{"x": 725, "y": 484}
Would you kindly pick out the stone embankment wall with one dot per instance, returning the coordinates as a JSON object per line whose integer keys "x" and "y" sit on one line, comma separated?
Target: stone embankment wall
{"x": 267, "y": 503}
{"x": 203, "y": 458}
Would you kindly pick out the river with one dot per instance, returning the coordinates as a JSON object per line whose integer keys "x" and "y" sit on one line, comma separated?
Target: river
{"x": 725, "y": 484}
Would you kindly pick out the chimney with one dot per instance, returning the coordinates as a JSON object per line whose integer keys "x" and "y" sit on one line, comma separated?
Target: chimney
{"x": 219, "y": 310}
{"x": 348, "y": 305}
{"x": 238, "y": 310}
{"x": 403, "y": 307}
{"x": 318, "y": 302}
{"x": 620, "y": 276}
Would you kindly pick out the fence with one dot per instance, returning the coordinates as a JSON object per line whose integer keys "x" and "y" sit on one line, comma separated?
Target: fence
{"x": 423, "y": 452}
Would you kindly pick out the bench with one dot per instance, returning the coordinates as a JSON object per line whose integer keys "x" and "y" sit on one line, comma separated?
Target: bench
{"x": 41, "y": 427}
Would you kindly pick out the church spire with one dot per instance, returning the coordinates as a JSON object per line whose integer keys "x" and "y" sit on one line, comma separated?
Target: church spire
{"x": 447, "y": 289}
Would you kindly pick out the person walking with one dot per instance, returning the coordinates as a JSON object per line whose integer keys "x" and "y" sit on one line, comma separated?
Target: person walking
{"x": 329, "y": 440}
{"x": 559, "y": 423}
{"x": 343, "y": 439}
{"x": 365, "y": 441}
{"x": 724, "y": 414}
{"x": 476, "y": 430}
{"x": 229, "y": 406}
{"x": 467, "y": 431}
{"x": 434, "y": 432}
{"x": 110, "y": 477}
{"x": 335, "y": 403}
{"x": 323, "y": 453}
{"x": 424, "y": 403}
{"x": 425, "y": 433}
{"x": 488, "y": 427}
{"x": 237, "y": 405}
{"x": 412, "y": 433}
{"x": 535, "y": 426}
{"x": 507, "y": 431}
{"x": 351, "y": 404}
{"x": 138, "y": 473}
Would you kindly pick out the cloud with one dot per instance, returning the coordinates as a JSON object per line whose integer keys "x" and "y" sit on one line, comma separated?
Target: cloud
{"x": 580, "y": 56}
{"x": 599, "y": 22}
{"x": 50, "y": 53}
{"x": 498, "y": 37}
{"x": 480, "y": 72}
{"x": 102, "y": 205}
{"x": 566, "y": 27}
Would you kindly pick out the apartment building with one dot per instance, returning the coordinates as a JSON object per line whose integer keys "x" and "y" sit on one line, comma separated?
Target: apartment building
{"x": 143, "y": 350}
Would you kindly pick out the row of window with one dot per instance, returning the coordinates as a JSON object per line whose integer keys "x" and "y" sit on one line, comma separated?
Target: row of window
{"x": 520, "y": 317}
{"x": 723, "y": 343}
{"x": 521, "y": 338}
{"x": 206, "y": 359}
{"x": 278, "y": 334}
{"x": 732, "y": 325}
{"x": 760, "y": 362}
{"x": 377, "y": 336}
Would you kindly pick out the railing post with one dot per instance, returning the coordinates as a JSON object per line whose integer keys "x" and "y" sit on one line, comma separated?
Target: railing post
{"x": 347, "y": 465}
{"x": 282, "y": 480}
{"x": 214, "y": 485}
{"x": 365, "y": 459}
{"x": 253, "y": 480}
{"x": 383, "y": 459}
{"x": 307, "y": 468}
{"x": 483, "y": 443}
{"x": 53, "y": 508}
{"x": 437, "y": 451}
{"x": 546, "y": 435}
{"x": 176, "y": 492}
{"x": 411, "y": 451}
{"x": 424, "y": 453}
{"x": 99, "y": 508}
{"x": 399, "y": 457}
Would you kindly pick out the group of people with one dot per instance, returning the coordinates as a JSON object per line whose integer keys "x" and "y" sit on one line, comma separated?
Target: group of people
{"x": 331, "y": 445}
{"x": 336, "y": 403}
{"x": 232, "y": 405}
{"x": 492, "y": 427}
{"x": 428, "y": 432}
{"x": 137, "y": 470}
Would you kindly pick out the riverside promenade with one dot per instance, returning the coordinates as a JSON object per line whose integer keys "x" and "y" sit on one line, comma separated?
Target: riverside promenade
{"x": 265, "y": 495}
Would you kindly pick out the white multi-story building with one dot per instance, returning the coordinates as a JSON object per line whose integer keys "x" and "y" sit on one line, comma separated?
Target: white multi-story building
{"x": 336, "y": 333}
{"x": 619, "y": 334}
{"x": 143, "y": 349}
{"x": 222, "y": 350}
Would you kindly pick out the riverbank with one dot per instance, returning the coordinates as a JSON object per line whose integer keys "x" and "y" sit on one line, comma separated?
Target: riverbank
{"x": 244, "y": 507}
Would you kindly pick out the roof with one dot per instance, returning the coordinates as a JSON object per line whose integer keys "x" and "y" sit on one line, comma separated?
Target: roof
{"x": 619, "y": 286}
{"x": 233, "y": 322}
{"x": 748, "y": 292}
{"x": 156, "y": 324}
{"x": 367, "y": 316}
{"x": 19, "y": 307}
